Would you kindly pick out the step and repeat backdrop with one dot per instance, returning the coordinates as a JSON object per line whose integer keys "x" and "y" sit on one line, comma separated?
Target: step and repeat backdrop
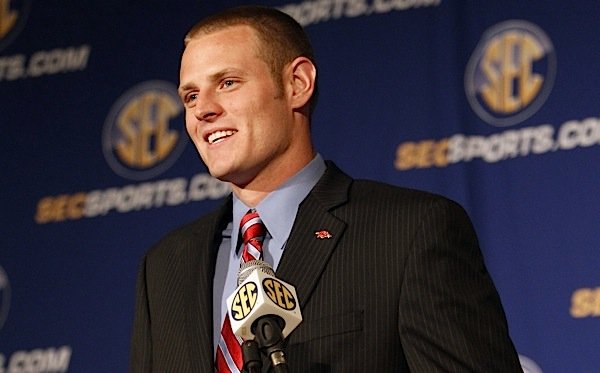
{"x": 494, "y": 104}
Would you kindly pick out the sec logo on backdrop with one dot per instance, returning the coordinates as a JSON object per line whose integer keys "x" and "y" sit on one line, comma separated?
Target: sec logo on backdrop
{"x": 143, "y": 133}
{"x": 511, "y": 73}
{"x": 13, "y": 16}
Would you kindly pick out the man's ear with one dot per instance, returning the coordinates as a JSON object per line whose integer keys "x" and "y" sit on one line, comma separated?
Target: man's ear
{"x": 304, "y": 75}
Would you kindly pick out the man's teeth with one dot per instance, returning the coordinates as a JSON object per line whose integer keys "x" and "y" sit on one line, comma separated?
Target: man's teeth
{"x": 219, "y": 136}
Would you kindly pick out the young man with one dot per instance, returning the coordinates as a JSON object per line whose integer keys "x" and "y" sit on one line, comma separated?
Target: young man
{"x": 388, "y": 279}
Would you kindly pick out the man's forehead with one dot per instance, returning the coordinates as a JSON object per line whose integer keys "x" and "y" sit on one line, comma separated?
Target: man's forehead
{"x": 218, "y": 51}
{"x": 230, "y": 42}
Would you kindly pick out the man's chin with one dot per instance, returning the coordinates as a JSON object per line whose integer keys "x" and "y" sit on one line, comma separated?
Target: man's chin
{"x": 236, "y": 176}
{"x": 222, "y": 176}
{"x": 219, "y": 176}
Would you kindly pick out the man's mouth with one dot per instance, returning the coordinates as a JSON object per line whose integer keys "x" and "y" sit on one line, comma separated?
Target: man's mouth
{"x": 219, "y": 136}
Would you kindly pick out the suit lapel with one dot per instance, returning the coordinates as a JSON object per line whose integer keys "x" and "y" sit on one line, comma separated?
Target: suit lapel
{"x": 307, "y": 252}
{"x": 199, "y": 266}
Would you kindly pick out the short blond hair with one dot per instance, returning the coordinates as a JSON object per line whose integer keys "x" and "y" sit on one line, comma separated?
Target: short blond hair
{"x": 281, "y": 38}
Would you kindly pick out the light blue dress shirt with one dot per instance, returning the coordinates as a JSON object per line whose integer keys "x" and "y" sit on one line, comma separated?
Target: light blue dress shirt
{"x": 278, "y": 211}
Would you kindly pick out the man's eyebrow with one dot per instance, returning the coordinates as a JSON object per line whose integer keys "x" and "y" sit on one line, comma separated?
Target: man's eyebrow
{"x": 226, "y": 71}
{"x": 185, "y": 87}
{"x": 212, "y": 78}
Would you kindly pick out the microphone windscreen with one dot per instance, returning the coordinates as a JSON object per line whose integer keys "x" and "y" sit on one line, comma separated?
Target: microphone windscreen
{"x": 247, "y": 268}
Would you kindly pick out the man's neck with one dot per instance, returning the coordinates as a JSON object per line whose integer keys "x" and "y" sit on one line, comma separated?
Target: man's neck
{"x": 260, "y": 187}
{"x": 251, "y": 198}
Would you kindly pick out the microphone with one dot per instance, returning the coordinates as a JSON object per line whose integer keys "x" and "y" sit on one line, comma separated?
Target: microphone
{"x": 265, "y": 308}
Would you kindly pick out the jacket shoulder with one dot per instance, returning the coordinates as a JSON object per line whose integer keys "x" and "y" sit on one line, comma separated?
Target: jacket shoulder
{"x": 340, "y": 192}
{"x": 371, "y": 191}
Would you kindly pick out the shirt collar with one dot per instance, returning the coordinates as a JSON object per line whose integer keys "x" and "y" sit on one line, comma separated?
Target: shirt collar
{"x": 278, "y": 210}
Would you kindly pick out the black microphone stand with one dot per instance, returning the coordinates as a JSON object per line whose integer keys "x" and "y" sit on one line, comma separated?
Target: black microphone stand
{"x": 268, "y": 333}
{"x": 251, "y": 354}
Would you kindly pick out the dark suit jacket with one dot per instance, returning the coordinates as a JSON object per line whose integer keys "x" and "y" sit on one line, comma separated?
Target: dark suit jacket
{"x": 400, "y": 286}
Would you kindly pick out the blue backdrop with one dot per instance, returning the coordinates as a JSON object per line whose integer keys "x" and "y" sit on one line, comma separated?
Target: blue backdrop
{"x": 493, "y": 104}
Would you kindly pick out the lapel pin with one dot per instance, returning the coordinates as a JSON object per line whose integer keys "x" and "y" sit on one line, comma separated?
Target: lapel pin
{"x": 323, "y": 235}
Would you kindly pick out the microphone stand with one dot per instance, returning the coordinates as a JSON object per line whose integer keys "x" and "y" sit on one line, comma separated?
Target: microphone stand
{"x": 267, "y": 331}
{"x": 251, "y": 354}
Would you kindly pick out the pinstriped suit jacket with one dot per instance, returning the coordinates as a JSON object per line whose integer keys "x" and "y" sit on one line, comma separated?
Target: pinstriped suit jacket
{"x": 401, "y": 286}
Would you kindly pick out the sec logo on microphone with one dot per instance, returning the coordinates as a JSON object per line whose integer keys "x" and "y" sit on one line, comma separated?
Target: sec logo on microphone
{"x": 279, "y": 294}
{"x": 244, "y": 300}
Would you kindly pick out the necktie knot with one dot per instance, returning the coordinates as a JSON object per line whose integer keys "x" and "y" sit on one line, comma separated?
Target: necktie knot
{"x": 253, "y": 233}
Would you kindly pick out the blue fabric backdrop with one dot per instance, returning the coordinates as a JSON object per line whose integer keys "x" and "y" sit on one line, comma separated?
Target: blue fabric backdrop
{"x": 491, "y": 103}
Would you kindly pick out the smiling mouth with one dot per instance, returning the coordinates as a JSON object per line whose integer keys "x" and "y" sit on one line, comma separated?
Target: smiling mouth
{"x": 219, "y": 136}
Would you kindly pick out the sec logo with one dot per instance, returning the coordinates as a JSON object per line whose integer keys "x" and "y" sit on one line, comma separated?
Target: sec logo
{"x": 279, "y": 294}
{"x": 140, "y": 138}
{"x": 511, "y": 73}
{"x": 13, "y": 16}
{"x": 244, "y": 301}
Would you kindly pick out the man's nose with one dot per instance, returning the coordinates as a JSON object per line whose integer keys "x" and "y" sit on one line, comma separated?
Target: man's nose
{"x": 207, "y": 109}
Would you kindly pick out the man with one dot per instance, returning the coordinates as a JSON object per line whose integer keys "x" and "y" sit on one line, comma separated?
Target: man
{"x": 389, "y": 279}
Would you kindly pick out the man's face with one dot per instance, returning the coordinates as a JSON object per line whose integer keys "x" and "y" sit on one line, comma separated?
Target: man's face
{"x": 238, "y": 117}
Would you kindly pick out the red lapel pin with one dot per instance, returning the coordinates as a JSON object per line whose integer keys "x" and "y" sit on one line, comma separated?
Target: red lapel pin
{"x": 323, "y": 234}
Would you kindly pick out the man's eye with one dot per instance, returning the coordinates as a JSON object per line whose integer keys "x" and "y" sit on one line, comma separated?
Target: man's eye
{"x": 189, "y": 99}
{"x": 228, "y": 83}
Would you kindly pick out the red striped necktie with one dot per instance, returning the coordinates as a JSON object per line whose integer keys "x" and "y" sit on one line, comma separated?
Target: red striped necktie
{"x": 229, "y": 351}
